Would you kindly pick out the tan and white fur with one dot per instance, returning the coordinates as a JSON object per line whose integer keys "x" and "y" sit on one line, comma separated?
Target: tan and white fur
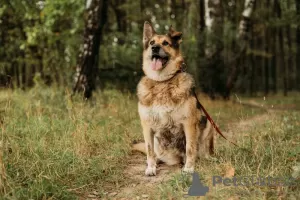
{"x": 174, "y": 127}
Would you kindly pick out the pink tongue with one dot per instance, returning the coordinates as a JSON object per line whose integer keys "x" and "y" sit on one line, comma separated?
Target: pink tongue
{"x": 156, "y": 64}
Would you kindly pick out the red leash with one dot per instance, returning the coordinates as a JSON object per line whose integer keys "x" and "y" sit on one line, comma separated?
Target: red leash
{"x": 211, "y": 120}
{"x": 183, "y": 69}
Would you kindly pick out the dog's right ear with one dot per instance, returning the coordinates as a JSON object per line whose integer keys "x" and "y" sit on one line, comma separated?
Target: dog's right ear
{"x": 147, "y": 34}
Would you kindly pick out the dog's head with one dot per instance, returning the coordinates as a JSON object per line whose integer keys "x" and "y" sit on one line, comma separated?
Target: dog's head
{"x": 161, "y": 56}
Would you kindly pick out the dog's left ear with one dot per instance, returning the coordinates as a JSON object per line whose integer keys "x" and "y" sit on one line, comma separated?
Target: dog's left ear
{"x": 175, "y": 35}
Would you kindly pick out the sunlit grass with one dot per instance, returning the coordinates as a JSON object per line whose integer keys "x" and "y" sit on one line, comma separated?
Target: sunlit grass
{"x": 267, "y": 148}
{"x": 55, "y": 147}
{"x": 278, "y": 101}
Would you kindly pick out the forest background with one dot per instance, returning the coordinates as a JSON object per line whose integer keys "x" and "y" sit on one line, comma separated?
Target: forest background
{"x": 224, "y": 49}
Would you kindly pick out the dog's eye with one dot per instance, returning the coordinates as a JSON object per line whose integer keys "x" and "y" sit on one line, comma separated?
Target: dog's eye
{"x": 165, "y": 43}
{"x": 152, "y": 42}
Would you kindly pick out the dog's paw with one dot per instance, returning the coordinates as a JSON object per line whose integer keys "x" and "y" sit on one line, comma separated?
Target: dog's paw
{"x": 188, "y": 169}
{"x": 150, "y": 171}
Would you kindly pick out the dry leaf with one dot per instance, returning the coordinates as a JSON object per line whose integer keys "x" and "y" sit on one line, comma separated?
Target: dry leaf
{"x": 229, "y": 172}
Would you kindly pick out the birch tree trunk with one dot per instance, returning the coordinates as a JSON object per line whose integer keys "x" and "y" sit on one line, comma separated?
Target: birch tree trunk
{"x": 245, "y": 23}
{"x": 243, "y": 35}
{"x": 213, "y": 48}
{"x": 214, "y": 27}
{"x": 87, "y": 62}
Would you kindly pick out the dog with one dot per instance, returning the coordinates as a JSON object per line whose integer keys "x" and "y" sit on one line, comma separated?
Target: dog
{"x": 174, "y": 127}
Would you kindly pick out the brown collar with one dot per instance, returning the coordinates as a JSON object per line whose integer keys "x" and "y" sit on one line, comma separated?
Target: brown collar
{"x": 183, "y": 68}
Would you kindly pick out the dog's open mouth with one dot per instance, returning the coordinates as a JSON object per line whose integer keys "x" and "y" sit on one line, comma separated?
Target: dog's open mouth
{"x": 158, "y": 62}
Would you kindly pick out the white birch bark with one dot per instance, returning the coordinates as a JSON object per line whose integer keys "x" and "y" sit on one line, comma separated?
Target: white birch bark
{"x": 87, "y": 60}
{"x": 245, "y": 21}
{"x": 88, "y": 4}
{"x": 209, "y": 20}
{"x": 214, "y": 26}
{"x": 242, "y": 43}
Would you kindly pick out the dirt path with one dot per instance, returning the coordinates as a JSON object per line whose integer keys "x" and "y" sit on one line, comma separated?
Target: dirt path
{"x": 137, "y": 163}
{"x": 136, "y": 173}
{"x": 242, "y": 126}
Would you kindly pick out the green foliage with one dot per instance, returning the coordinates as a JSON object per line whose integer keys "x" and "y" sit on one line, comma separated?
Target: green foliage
{"x": 40, "y": 36}
{"x": 45, "y": 37}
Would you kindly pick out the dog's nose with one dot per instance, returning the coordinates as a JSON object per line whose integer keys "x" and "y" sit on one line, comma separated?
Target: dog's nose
{"x": 155, "y": 48}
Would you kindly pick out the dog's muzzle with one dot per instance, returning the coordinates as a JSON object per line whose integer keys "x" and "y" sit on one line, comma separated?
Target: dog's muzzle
{"x": 159, "y": 58}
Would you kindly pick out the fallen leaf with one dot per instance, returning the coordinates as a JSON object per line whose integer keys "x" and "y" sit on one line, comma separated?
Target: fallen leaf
{"x": 229, "y": 172}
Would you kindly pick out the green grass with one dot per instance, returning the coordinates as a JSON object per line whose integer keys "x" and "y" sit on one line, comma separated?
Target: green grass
{"x": 270, "y": 149}
{"x": 290, "y": 102}
{"x": 55, "y": 148}
{"x": 52, "y": 146}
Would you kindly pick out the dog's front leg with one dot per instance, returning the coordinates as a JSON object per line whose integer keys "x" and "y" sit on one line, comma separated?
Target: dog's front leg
{"x": 191, "y": 135}
{"x": 149, "y": 142}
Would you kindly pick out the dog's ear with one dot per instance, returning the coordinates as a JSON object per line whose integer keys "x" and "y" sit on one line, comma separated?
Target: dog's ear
{"x": 175, "y": 36}
{"x": 147, "y": 34}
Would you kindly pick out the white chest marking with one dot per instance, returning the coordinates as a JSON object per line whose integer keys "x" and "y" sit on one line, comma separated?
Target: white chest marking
{"x": 160, "y": 115}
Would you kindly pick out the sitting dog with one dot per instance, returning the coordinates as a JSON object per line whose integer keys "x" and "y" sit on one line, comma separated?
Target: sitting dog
{"x": 174, "y": 127}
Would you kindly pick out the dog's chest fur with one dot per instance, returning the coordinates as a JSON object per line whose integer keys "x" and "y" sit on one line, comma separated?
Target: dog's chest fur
{"x": 165, "y": 104}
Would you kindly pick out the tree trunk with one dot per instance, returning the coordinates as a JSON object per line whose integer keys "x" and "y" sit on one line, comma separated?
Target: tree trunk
{"x": 214, "y": 25}
{"x": 253, "y": 89}
{"x": 281, "y": 48}
{"x": 273, "y": 69}
{"x": 241, "y": 46}
{"x": 142, "y": 14}
{"x": 244, "y": 27}
{"x": 201, "y": 44}
{"x": 214, "y": 66}
{"x": 121, "y": 18}
{"x": 202, "y": 15}
{"x": 291, "y": 77}
{"x": 298, "y": 44}
{"x": 267, "y": 45}
{"x": 87, "y": 63}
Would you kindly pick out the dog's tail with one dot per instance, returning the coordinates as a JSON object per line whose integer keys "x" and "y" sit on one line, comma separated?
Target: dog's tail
{"x": 139, "y": 147}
